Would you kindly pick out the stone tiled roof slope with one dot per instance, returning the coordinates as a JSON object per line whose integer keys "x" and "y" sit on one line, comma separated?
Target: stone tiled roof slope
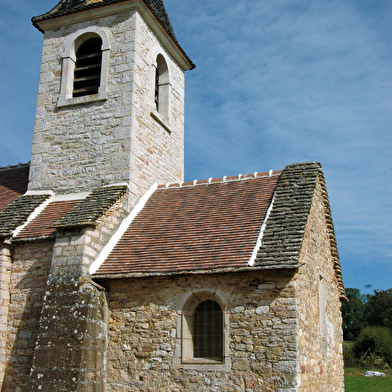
{"x": 67, "y": 7}
{"x": 16, "y": 213}
{"x": 285, "y": 227}
{"x": 92, "y": 207}
{"x": 13, "y": 183}
{"x": 194, "y": 228}
{"x": 41, "y": 226}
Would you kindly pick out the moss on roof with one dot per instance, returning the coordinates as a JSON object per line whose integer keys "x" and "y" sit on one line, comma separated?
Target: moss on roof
{"x": 92, "y": 207}
{"x": 66, "y": 7}
{"x": 17, "y": 212}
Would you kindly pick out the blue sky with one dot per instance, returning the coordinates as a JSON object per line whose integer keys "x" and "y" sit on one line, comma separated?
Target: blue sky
{"x": 277, "y": 82}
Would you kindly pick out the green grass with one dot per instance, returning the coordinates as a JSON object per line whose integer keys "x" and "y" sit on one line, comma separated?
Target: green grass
{"x": 355, "y": 381}
{"x": 367, "y": 384}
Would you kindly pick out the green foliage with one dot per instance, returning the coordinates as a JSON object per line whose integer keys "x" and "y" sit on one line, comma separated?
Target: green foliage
{"x": 378, "y": 309}
{"x": 353, "y": 313}
{"x": 373, "y": 342}
{"x": 348, "y": 355}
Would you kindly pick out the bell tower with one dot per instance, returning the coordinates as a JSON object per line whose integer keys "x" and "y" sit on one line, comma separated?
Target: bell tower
{"x": 110, "y": 105}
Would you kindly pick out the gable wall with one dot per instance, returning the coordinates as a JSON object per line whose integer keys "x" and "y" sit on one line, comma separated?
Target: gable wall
{"x": 320, "y": 348}
{"x": 144, "y": 331}
{"x": 29, "y": 273}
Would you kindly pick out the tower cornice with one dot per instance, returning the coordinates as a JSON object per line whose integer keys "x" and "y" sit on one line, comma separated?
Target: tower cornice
{"x": 54, "y": 19}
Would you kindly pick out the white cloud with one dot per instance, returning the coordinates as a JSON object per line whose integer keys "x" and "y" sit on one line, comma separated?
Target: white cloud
{"x": 276, "y": 82}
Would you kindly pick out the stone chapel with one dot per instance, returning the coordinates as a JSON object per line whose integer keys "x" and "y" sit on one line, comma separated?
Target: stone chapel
{"x": 115, "y": 274}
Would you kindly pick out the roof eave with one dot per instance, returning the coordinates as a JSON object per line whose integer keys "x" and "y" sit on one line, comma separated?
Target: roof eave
{"x": 198, "y": 272}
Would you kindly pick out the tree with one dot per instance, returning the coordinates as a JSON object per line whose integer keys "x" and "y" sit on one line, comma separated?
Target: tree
{"x": 374, "y": 341}
{"x": 353, "y": 313}
{"x": 378, "y": 309}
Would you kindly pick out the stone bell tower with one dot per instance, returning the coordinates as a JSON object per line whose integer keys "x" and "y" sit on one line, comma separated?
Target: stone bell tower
{"x": 110, "y": 105}
{"x": 110, "y": 111}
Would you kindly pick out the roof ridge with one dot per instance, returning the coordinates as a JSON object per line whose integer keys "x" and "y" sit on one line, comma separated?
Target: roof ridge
{"x": 224, "y": 179}
{"x": 17, "y": 166}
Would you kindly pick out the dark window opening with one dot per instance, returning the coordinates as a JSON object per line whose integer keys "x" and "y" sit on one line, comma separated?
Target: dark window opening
{"x": 88, "y": 65}
{"x": 157, "y": 89}
{"x": 208, "y": 331}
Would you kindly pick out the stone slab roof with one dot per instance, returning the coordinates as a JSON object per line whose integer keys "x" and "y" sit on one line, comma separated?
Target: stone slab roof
{"x": 42, "y": 225}
{"x": 92, "y": 207}
{"x": 285, "y": 228}
{"x": 17, "y": 212}
{"x": 67, "y": 7}
{"x": 282, "y": 238}
{"x": 199, "y": 227}
{"x": 13, "y": 183}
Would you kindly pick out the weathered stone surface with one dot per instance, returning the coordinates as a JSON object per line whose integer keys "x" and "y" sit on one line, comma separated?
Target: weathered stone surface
{"x": 79, "y": 147}
{"x": 320, "y": 346}
{"x": 70, "y": 349}
{"x": 144, "y": 312}
{"x": 28, "y": 274}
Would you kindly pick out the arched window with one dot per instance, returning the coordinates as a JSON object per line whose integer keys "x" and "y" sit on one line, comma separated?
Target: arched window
{"x": 87, "y": 75}
{"x": 208, "y": 331}
{"x": 85, "y": 67}
{"x": 204, "y": 332}
{"x": 162, "y": 87}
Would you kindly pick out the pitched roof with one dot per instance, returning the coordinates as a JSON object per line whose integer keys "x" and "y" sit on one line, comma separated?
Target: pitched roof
{"x": 42, "y": 224}
{"x": 17, "y": 212}
{"x": 199, "y": 227}
{"x": 67, "y": 7}
{"x": 56, "y": 214}
{"x": 92, "y": 207}
{"x": 282, "y": 238}
{"x": 215, "y": 225}
{"x": 13, "y": 183}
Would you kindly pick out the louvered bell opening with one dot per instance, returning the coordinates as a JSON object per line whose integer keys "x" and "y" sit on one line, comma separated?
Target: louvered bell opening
{"x": 157, "y": 89}
{"x": 88, "y": 68}
{"x": 208, "y": 331}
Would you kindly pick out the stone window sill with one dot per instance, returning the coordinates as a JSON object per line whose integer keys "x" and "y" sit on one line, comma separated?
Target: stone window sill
{"x": 205, "y": 364}
{"x": 160, "y": 120}
{"x": 64, "y": 102}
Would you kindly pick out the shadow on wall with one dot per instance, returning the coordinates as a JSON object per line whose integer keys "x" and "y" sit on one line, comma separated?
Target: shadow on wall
{"x": 27, "y": 290}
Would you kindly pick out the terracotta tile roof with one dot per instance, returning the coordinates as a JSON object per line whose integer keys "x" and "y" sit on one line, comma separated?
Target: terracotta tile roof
{"x": 66, "y": 7}
{"x": 41, "y": 226}
{"x": 13, "y": 183}
{"x": 214, "y": 224}
{"x": 92, "y": 207}
{"x": 17, "y": 212}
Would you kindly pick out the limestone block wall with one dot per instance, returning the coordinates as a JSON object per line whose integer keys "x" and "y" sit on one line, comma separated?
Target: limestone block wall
{"x": 5, "y": 277}
{"x": 76, "y": 249}
{"x": 145, "y": 333}
{"x": 29, "y": 272}
{"x": 103, "y": 142}
{"x": 71, "y": 339}
{"x": 320, "y": 319}
{"x": 70, "y": 354}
